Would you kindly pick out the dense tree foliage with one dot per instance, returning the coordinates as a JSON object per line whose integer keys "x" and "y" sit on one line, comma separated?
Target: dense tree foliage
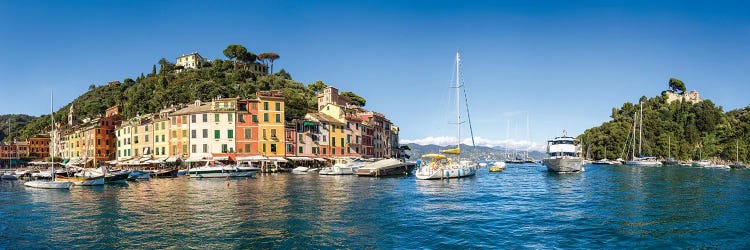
{"x": 686, "y": 126}
{"x": 12, "y": 125}
{"x": 677, "y": 85}
{"x": 153, "y": 92}
{"x": 353, "y": 98}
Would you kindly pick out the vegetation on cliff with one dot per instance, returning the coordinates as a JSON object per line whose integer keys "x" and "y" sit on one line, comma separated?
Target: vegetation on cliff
{"x": 171, "y": 85}
{"x": 692, "y": 129}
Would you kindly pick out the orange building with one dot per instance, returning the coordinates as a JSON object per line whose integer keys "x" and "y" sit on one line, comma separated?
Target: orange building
{"x": 39, "y": 146}
{"x": 247, "y": 128}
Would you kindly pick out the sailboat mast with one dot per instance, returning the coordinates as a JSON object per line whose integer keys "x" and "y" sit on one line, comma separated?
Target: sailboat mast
{"x": 52, "y": 132}
{"x": 669, "y": 147}
{"x": 632, "y": 152}
{"x": 458, "y": 102}
{"x": 640, "y": 132}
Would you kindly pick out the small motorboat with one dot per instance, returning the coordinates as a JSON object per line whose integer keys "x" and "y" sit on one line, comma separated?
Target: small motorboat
{"x": 498, "y": 166}
{"x": 165, "y": 173}
{"x": 300, "y": 170}
{"x": 139, "y": 175}
{"x": 8, "y": 176}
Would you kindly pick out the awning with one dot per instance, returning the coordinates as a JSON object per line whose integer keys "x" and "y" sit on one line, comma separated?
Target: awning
{"x": 194, "y": 159}
{"x": 278, "y": 159}
{"x": 65, "y": 161}
{"x": 320, "y": 159}
{"x": 299, "y": 158}
{"x": 112, "y": 162}
{"x": 157, "y": 161}
{"x": 252, "y": 158}
{"x": 221, "y": 158}
{"x": 308, "y": 123}
{"x": 172, "y": 159}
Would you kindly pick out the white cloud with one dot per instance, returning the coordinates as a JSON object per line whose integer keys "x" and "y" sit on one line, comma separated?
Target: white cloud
{"x": 479, "y": 141}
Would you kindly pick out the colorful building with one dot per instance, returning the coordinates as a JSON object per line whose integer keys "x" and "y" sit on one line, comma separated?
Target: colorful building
{"x": 247, "y": 128}
{"x": 271, "y": 123}
{"x": 39, "y": 146}
{"x": 162, "y": 134}
{"x": 178, "y": 128}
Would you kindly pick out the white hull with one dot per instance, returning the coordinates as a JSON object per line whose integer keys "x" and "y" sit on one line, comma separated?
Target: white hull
{"x": 49, "y": 184}
{"x": 222, "y": 172}
{"x": 563, "y": 164}
{"x": 447, "y": 172}
{"x": 338, "y": 170}
{"x": 643, "y": 163}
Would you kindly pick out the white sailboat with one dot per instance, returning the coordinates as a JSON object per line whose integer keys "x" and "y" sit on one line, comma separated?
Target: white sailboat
{"x": 441, "y": 166}
{"x": 640, "y": 160}
{"x": 53, "y": 184}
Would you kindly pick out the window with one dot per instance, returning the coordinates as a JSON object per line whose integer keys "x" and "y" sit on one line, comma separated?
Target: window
{"x": 193, "y": 148}
{"x": 223, "y": 148}
{"x": 273, "y": 148}
{"x": 192, "y": 119}
{"x": 162, "y": 139}
{"x": 264, "y": 134}
{"x": 216, "y": 117}
{"x": 205, "y": 133}
{"x": 174, "y": 133}
{"x": 248, "y": 133}
{"x": 217, "y": 134}
{"x": 118, "y": 143}
{"x": 300, "y": 137}
{"x": 205, "y": 117}
{"x": 324, "y": 150}
{"x": 205, "y": 148}
{"x": 333, "y": 141}
{"x": 255, "y": 118}
{"x": 230, "y": 134}
{"x": 278, "y": 117}
{"x": 273, "y": 133}
{"x": 157, "y": 151}
{"x": 184, "y": 148}
{"x": 265, "y": 117}
{"x": 247, "y": 148}
{"x": 278, "y": 106}
{"x": 333, "y": 128}
{"x": 348, "y": 139}
{"x": 241, "y": 118}
{"x": 184, "y": 133}
{"x": 146, "y": 139}
{"x": 265, "y": 105}
{"x": 163, "y": 125}
{"x": 289, "y": 148}
{"x": 118, "y": 133}
{"x": 156, "y": 126}
{"x": 136, "y": 130}
{"x": 184, "y": 121}
{"x": 162, "y": 151}
{"x": 342, "y": 141}
{"x": 300, "y": 149}
{"x": 230, "y": 118}
{"x": 192, "y": 133}
{"x": 264, "y": 147}
{"x": 174, "y": 120}
{"x": 136, "y": 140}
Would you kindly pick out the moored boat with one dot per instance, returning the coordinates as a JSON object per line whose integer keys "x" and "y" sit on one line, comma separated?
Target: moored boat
{"x": 222, "y": 171}
{"x": 51, "y": 184}
{"x": 498, "y": 166}
{"x": 563, "y": 155}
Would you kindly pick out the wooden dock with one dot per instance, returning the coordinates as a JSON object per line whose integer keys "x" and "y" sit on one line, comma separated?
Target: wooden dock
{"x": 387, "y": 167}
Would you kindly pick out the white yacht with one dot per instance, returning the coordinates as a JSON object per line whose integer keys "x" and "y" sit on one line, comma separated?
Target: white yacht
{"x": 441, "y": 166}
{"x": 343, "y": 166}
{"x": 563, "y": 155}
{"x": 222, "y": 171}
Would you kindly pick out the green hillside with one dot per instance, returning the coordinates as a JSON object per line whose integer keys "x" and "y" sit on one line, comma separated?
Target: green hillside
{"x": 149, "y": 93}
{"x": 686, "y": 126}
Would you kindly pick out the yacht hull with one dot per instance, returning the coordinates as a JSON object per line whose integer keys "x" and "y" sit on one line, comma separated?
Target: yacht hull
{"x": 49, "y": 184}
{"x": 83, "y": 181}
{"x": 222, "y": 173}
{"x": 427, "y": 173}
{"x": 563, "y": 164}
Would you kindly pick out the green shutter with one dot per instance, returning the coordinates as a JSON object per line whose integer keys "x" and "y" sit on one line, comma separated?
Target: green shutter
{"x": 230, "y": 134}
{"x": 217, "y": 134}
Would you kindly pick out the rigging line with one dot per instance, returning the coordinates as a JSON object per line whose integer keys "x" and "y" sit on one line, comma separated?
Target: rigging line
{"x": 468, "y": 117}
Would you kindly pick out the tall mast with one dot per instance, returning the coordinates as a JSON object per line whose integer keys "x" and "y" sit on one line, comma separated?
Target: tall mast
{"x": 640, "y": 132}
{"x": 458, "y": 102}
{"x": 632, "y": 152}
{"x": 669, "y": 147}
{"x": 52, "y": 132}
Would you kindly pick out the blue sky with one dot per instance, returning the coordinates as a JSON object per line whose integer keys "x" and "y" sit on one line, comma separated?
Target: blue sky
{"x": 564, "y": 63}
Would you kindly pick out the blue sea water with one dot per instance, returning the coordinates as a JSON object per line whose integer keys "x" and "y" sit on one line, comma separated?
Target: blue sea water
{"x": 524, "y": 207}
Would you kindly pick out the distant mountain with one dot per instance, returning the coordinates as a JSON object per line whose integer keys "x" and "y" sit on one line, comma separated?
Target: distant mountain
{"x": 476, "y": 154}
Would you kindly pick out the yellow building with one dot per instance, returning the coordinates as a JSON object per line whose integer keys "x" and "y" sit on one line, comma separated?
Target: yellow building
{"x": 162, "y": 135}
{"x": 124, "y": 134}
{"x": 143, "y": 137}
{"x": 190, "y": 61}
{"x": 271, "y": 123}
{"x": 179, "y": 140}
